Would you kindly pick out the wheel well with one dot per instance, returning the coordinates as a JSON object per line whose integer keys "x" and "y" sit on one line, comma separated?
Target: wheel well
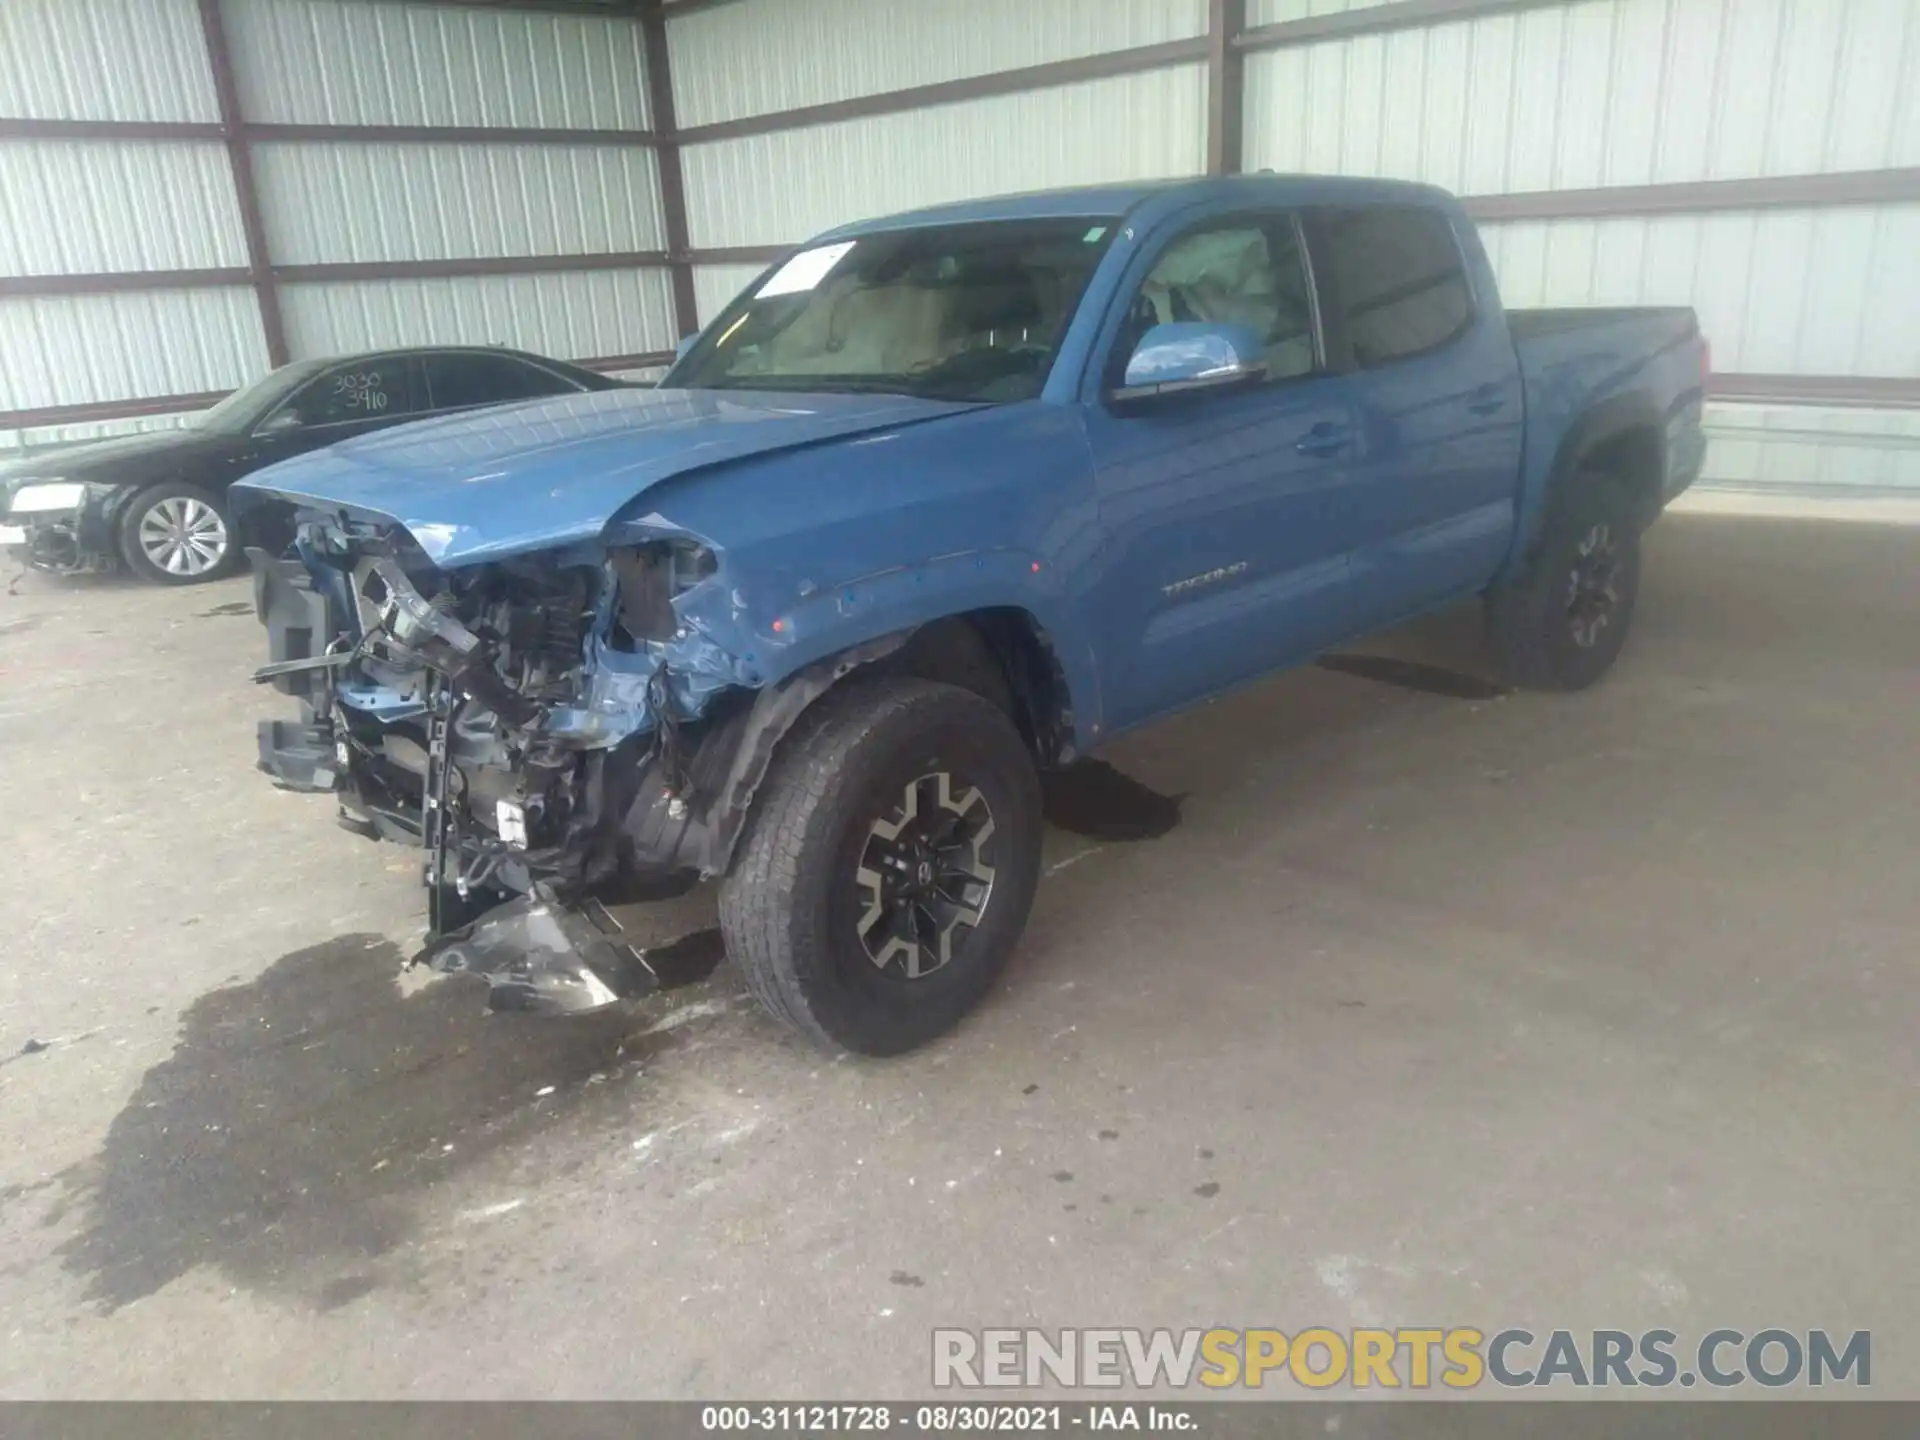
{"x": 1003, "y": 655}
{"x": 1636, "y": 458}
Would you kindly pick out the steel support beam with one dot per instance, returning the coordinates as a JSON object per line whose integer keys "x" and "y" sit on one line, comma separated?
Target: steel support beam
{"x": 478, "y": 265}
{"x": 741, "y": 254}
{"x": 110, "y": 130}
{"x": 949, "y": 92}
{"x": 124, "y": 280}
{"x": 673, "y": 189}
{"x": 87, "y": 410}
{"x": 1703, "y": 197}
{"x": 119, "y": 281}
{"x": 1860, "y": 392}
{"x": 451, "y": 135}
{"x": 240, "y": 158}
{"x": 647, "y": 360}
{"x": 137, "y": 130}
{"x": 1379, "y": 19}
{"x": 1226, "y": 85}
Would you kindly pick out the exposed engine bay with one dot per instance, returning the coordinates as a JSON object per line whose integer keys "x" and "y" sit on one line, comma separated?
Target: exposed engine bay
{"x": 552, "y": 730}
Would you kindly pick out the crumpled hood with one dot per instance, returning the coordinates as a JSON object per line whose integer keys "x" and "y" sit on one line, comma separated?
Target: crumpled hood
{"x": 547, "y": 473}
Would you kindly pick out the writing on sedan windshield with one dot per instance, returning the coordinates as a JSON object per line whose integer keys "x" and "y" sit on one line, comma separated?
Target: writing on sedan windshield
{"x": 968, "y": 312}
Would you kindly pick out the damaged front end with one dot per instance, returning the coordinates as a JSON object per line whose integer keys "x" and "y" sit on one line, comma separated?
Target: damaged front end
{"x": 553, "y": 731}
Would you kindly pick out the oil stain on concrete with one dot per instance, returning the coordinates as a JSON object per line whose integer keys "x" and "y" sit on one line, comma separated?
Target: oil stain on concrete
{"x": 1413, "y": 675}
{"x": 289, "y": 1136}
{"x": 1092, "y": 798}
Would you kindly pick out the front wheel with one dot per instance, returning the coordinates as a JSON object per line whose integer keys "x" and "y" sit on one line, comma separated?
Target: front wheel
{"x": 177, "y": 534}
{"x": 889, "y": 865}
{"x": 1559, "y": 623}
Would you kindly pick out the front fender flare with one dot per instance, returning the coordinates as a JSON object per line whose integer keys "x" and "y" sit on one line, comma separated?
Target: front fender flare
{"x": 842, "y": 616}
{"x": 673, "y": 834}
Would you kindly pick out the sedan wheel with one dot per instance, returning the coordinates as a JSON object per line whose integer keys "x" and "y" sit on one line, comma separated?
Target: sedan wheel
{"x": 177, "y": 535}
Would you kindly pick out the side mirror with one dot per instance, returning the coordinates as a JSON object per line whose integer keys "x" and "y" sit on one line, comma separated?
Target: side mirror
{"x": 279, "y": 423}
{"x": 1185, "y": 356}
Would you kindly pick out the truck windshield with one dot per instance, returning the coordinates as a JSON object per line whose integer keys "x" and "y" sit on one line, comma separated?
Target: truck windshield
{"x": 959, "y": 312}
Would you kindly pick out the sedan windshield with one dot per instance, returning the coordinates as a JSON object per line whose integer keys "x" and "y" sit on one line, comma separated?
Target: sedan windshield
{"x": 964, "y": 312}
{"x": 243, "y": 409}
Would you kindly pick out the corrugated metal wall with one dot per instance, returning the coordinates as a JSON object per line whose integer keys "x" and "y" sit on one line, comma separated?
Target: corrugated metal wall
{"x": 1600, "y": 92}
{"x": 1272, "y": 12}
{"x": 84, "y": 206}
{"x": 1766, "y": 283}
{"x": 78, "y": 207}
{"x": 345, "y": 201}
{"x": 581, "y": 314}
{"x": 104, "y": 60}
{"x": 1814, "y": 450}
{"x": 1637, "y": 92}
{"x": 1587, "y": 94}
{"x": 756, "y": 56}
{"x": 322, "y": 62}
{"x": 768, "y": 189}
{"x": 148, "y": 342}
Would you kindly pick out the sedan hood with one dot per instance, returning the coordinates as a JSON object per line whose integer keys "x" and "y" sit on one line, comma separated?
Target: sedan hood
{"x": 548, "y": 473}
{"x": 103, "y": 461}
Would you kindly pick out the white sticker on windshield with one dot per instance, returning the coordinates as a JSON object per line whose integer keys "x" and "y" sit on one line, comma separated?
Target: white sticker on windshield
{"x": 804, "y": 271}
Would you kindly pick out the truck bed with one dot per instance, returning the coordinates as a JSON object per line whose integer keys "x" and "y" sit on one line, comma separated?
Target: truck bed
{"x": 1576, "y": 362}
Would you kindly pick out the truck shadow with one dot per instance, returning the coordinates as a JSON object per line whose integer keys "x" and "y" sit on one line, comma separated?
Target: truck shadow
{"x": 300, "y": 1112}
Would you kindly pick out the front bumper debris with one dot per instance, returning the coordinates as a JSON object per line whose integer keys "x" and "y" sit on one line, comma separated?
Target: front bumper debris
{"x": 543, "y": 957}
{"x": 548, "y": 738}
{"x": 58, "y": 542}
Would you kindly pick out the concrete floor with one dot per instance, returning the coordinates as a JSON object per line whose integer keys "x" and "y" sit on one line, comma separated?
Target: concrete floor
{"x": 1557, "y": 1012}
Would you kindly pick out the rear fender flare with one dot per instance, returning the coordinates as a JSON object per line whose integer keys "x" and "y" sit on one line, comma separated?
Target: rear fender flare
{"x": 1616, "y": 415}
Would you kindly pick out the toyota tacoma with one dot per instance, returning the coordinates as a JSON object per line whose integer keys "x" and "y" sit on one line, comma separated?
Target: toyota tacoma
{"x": 937, "y": 502}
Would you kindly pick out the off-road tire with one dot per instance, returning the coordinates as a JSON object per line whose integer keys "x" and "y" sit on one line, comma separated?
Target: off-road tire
{"x": 1534, "y": 632}
{"x": 789, "y": 905}
{"x": 192, "y": 500}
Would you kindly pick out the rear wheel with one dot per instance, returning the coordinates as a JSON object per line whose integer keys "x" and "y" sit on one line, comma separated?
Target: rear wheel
{"x": 1560, "y": 623}
{"x": 889, "y": 865}
{"x": 177, "y": 534}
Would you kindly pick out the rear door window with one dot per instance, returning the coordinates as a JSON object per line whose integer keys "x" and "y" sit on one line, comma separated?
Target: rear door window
{"x": 472, "y": 378}
{"x": 1392, "y": 281}
{"x": 375, "y": 389}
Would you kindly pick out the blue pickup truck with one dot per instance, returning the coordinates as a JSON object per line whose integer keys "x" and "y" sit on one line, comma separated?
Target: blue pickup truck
{"x": 939, "y": 501}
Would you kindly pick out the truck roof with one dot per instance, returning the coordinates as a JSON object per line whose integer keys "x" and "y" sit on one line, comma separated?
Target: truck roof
{"x": 1153, "y": 198}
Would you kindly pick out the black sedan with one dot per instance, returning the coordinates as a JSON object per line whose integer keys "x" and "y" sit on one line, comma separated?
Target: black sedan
{"x": 157, "y": 503}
